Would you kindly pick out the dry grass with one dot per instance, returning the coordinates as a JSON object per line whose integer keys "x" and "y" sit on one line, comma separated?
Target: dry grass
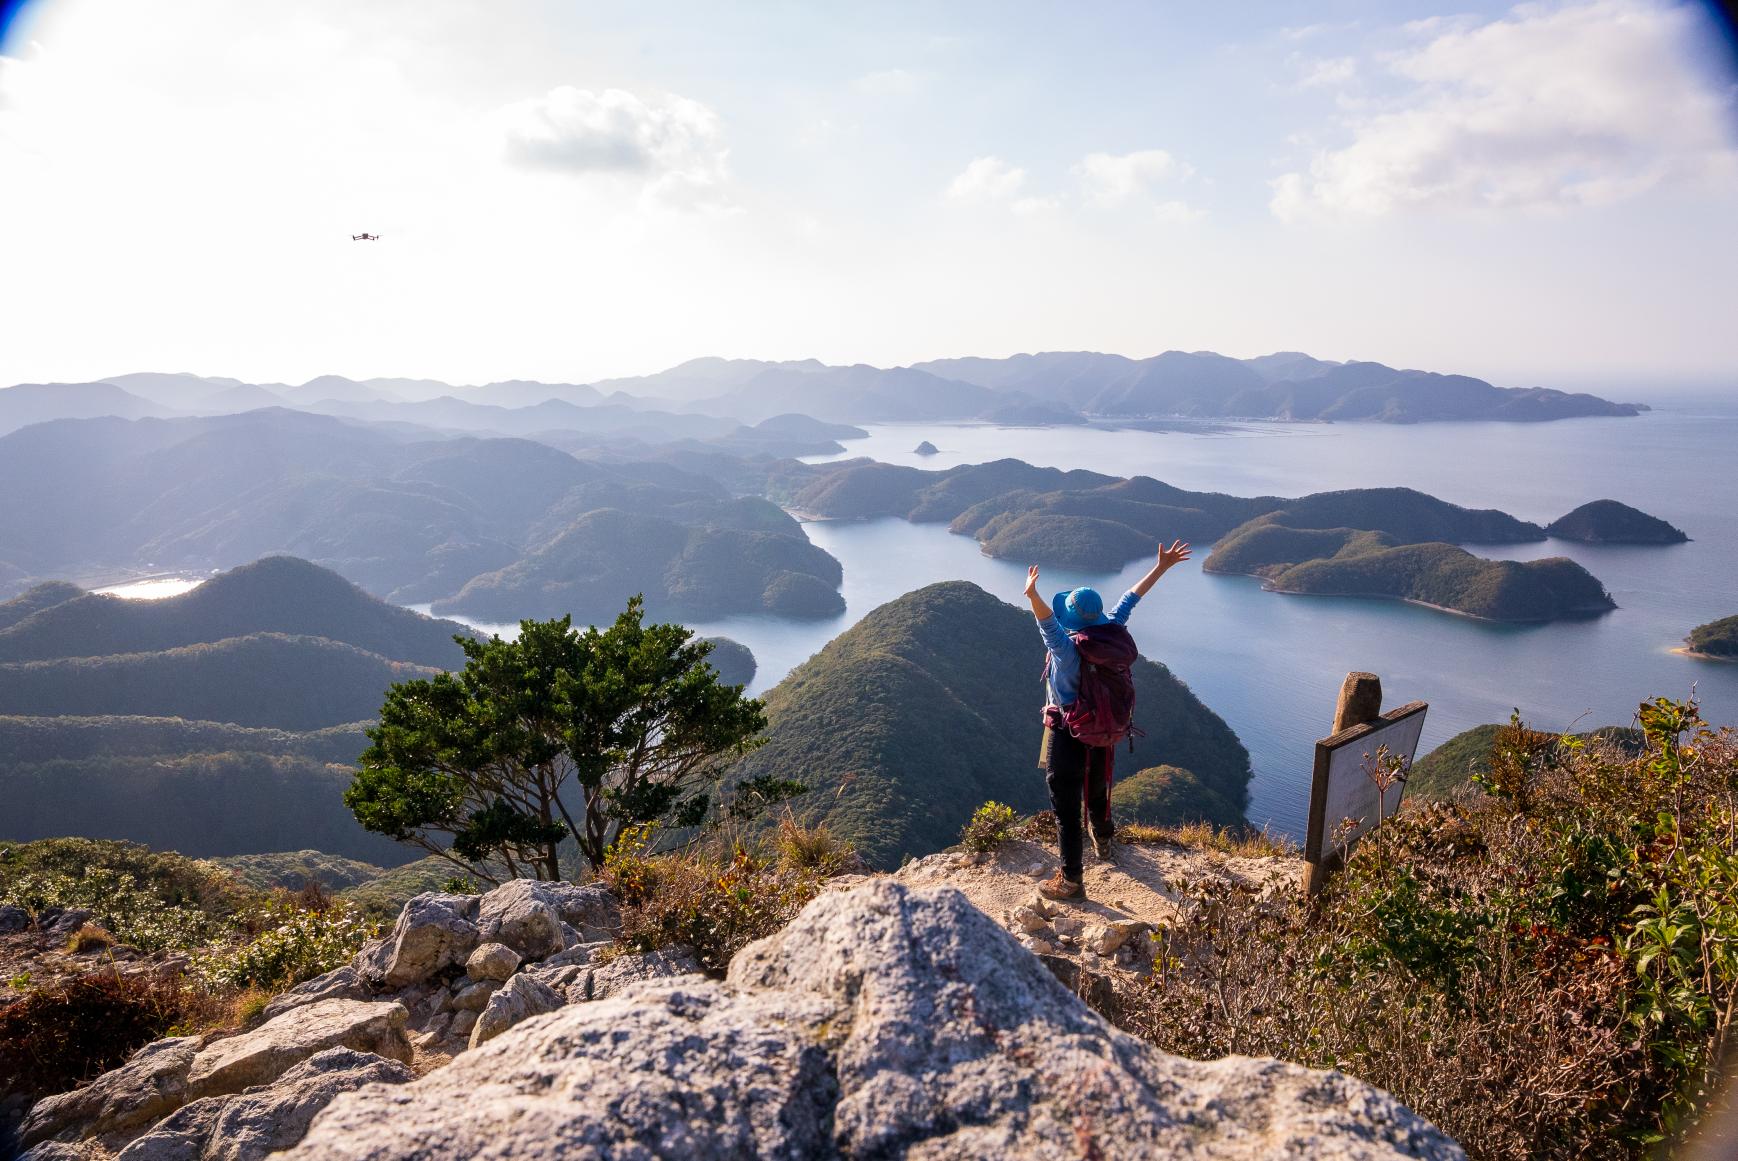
{"x": 706, "y": 898}
{"x": 89, "y": 938}
{"x": 56, "y": 1038}
{"x": 815, "y": 849}
{"x": 1242, "y": 842}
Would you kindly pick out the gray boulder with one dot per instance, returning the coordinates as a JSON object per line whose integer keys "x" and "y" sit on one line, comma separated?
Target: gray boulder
{"x": 518, "y": 999}
{"x": 120, "y": 1102}
{"x": 492, "y": 961}
{"x": 885, "y": 1021}
{"x": 474, "y": 995}
{"x": 521, "y": 913}
{"x": 616, "y": 975}
{"x": 344, "y": 983}
{"x": 60, "y": 924}
{"x": 13, "y": 918}
{"x": 267, "y": 1052}
{"x": 590, "y": 909}
{"x": 264, "y": 1119}
{"x": 434, "y": 931}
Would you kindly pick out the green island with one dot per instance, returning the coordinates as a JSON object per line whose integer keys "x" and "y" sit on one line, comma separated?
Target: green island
{"x": 1393, "y": 543}
{"x": 1366, "y": 563}
{"x": 1716, "y": 639}
{"x": 1611, "y": 522}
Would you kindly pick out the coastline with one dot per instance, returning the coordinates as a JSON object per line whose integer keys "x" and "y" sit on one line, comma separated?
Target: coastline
{"x": 1686, "y": 651}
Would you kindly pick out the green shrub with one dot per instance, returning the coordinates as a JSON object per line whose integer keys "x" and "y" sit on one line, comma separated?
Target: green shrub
{"x": 293, "y": 944}
{"x": 991, "y": 825}
{"x": 135, "y": 914}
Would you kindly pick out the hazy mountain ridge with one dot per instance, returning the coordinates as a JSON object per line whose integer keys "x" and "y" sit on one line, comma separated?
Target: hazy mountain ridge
{"x": 683, "y": 401}
{"x": 278, "y": 594}
{"x": 204, "y": 726}
{"x": 407, "y": 516}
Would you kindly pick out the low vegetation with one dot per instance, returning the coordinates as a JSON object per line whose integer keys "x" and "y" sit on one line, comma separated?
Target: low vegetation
{"x": 716, "y": 896}
{"x": 991, "y": 825}
{"x": 239, "y": 945}
{"x": 1549, "y": 968}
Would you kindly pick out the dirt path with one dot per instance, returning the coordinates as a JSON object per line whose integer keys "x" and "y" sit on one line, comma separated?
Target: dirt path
{"x": 1143, "y": 885}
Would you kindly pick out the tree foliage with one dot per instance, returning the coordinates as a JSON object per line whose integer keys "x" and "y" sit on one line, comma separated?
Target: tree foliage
{"x": 560, "y": 732}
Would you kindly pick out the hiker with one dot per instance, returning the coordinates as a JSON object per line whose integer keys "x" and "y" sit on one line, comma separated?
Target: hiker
{"x": 1081, "y": 733}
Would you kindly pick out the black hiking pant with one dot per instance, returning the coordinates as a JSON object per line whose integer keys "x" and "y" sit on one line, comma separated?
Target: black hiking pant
{"x": 1076, "y": 771}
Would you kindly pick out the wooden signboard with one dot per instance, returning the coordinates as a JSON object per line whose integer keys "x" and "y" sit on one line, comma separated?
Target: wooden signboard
{"x": 1345, "y": 799}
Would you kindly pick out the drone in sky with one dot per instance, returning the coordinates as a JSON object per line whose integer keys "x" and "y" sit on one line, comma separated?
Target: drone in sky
{"x": 365, "y": 237}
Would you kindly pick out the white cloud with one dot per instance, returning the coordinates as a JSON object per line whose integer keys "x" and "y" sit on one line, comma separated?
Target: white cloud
{"x": 1114, "y": 179}
{"x": 674, "y": 146}
{"x": 1324, "y": 72}
{"x": 986, "y": 179}
{"x": 1549, "y": 107}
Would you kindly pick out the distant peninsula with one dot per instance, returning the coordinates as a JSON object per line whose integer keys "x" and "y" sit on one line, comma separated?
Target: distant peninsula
{"x": 1717, "y": 640}
{"x": 1610, "y": 522}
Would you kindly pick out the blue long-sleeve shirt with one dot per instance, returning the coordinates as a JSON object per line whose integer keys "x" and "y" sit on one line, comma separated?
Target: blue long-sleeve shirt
{"x": 1064, "y": 679}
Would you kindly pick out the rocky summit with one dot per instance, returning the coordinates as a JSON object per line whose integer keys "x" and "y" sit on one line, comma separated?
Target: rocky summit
{"x": 887, "y": 1020}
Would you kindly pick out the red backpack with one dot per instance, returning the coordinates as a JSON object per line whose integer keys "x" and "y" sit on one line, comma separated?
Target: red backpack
{"x": 1103, "y": 714}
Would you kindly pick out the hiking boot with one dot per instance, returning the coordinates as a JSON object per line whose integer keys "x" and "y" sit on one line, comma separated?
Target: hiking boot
{"x": 1060, "y": 886}
{"x": 1102, "y": 844}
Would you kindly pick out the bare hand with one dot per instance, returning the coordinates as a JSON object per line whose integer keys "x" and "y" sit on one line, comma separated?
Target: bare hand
{"x": 1176, "y": 554}
{"x": 1032, "y": 580}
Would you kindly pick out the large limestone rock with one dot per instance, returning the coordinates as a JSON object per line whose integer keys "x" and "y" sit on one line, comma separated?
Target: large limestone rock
{"x": 624, "y": 971}
{"x": 120, "y": 1102}
{"x": 885, "y": 1021}
{"x": 521, "y": 913}
{"x": 434, "y": 931}
{"x": 267, "y": 1052}
{"x": 492, "y": 961}
{"x": 590, "y": 909}
{"x": 518, "y": 999}
{"x": 264, "y": 1119}
{"x": 343, "y": 983}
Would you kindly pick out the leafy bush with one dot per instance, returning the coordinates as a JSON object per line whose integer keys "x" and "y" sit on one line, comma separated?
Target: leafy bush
{"x": 147, "y": 899}
{"x": 294, "y": 943}
{"x": 991, "y": 825}
{"x": 54, "y": 1039}
{"x": 1551, "y": 972}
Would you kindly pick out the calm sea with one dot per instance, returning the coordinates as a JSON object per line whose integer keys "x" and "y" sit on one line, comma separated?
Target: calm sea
{"x": 1271, "y": 665}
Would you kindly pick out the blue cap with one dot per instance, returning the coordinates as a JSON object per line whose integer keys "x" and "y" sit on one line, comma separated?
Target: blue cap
{"x": 1078, "y": 608}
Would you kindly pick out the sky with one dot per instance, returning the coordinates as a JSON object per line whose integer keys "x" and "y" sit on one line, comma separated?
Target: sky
{"x": 1541, "y": 194}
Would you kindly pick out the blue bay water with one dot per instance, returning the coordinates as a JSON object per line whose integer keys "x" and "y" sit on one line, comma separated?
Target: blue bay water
{"x": 1270, "y": 664}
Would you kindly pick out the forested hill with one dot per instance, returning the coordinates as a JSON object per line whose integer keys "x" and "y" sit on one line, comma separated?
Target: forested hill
{"x": 278, "y": 594}
{"x": 929, "y": 706}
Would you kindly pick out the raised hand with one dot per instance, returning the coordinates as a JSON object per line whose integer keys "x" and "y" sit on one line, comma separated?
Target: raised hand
{"x": 1174, "y": 555}
{"x": 1031, "y": 580}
